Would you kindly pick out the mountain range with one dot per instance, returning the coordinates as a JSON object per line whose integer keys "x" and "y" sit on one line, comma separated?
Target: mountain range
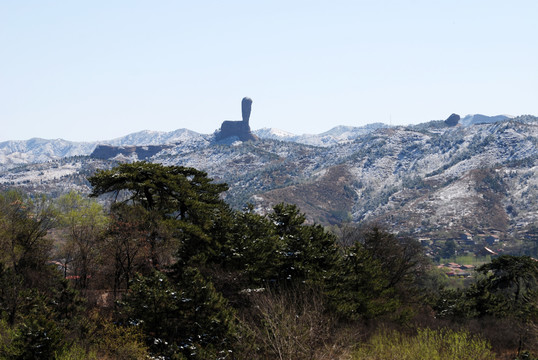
{"x": 432, "y": 179}
{"x": 37, "y": 150}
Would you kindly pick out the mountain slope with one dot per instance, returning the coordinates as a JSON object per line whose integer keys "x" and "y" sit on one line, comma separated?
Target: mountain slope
{"x": 425, "y": 179}
{"x": 20, "y": 152}
{"x": 337, "y": 135}
{"x": 475, "y": 119}
{"x": 13, "y": 153}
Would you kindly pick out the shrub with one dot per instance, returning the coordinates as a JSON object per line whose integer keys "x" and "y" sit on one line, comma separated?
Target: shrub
{"x": 288, "y": 324}
{"x": 428, "y": 344}
{"x": 77, "y": 352}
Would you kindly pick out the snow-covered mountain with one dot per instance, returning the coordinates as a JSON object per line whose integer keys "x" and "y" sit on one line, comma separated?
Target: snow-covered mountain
{"x": 337, "y": 135}
{"x": 424, "y": 179}
{"x": 474, "y": 119}
{"x": 148, "y": 137}
{"x": 20, "y": 152}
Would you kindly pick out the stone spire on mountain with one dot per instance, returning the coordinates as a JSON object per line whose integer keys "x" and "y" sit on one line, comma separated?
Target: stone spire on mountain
{"x": 240, "y": 129}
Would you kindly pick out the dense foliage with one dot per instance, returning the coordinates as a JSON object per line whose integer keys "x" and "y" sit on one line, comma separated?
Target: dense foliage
{"x": 168, "y": 270}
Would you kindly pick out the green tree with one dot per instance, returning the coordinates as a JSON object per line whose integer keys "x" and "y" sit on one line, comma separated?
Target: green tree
{"x": 39, "y": 307}
{"x": 24, "y": 223}
{"x": 279, "y": 248}
{"x": 39, "y": 338}
{"x": 84, "y": 223}
{"x": 449, "y": 249}
{"x": 182, "y": 203}
{"x": 24, "y": 249}
{"x": 379, "y": 274}
{"x": 402, "y": 258}
{"x": 253, "y": 248}
{"x": 360, "y": 286}
{"x": 308, "y": 252}
{"x": 506, "y": 287}
{"x": 512, "y": 282}
{"x": 180, "y": 192}
{"x": 40, "y": 319}
{"x": 189, "y": 317}
{"x": 126, "y": 245}
{"x": 8, "y": 335}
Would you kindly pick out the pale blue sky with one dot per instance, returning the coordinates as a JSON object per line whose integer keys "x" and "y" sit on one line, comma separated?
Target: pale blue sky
{"x": 95, "y": 70}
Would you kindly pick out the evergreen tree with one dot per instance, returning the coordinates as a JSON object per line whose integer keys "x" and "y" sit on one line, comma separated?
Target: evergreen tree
{"x": 360, "y": 286}
{"x": 308, "y": 252}
{"x": 378, "y": 275}
{"x": 253, "y": 248}
{"x": 189, "y": 317}
{"x": 182, "y": 203}
{"x": 512, "y": 282}
{"x": 505, "y": 287}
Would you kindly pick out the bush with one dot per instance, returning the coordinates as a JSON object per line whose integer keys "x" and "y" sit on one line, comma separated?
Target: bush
{"x": 77, "y": 352}
{"x": 8, "y": 350}
{"x": 428, "y": 344}
{"x": 288, "y": 324}
{"x": 121, "y": 343}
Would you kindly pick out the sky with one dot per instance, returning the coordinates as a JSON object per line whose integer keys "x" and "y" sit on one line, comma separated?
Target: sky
{"x": 97, "y": 70}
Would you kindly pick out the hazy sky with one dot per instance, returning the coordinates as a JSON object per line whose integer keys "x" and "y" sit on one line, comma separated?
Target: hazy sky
{"x": 96, "y": 70}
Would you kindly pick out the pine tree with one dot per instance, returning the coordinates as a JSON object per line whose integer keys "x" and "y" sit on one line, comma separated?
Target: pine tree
{"x": 188, "y": 317}
{"x": 379, "y": 274}
{"x": 308, "y": 252}
{"x": 182, "y": 203}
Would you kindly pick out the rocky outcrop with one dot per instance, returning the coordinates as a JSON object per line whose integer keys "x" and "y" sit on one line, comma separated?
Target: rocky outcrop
{"x": 246, "y": 108}
{"x": 452, "y": 120}
{"x": 240, "y": 129}
{"x": 141, "y": 152}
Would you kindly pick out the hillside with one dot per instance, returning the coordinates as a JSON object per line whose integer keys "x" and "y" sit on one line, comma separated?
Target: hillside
{"x": 424, "y": 179}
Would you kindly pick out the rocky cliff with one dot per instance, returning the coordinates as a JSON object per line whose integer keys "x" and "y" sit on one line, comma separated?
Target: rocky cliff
{"x": 131, "y": 152}
{"x": 238, "y": 129}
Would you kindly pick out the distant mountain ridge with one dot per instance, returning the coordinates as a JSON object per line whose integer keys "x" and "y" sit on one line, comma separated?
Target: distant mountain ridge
{"x": 20, "y": 152}
{"x": 428, "y": 179}
{"x": 337, "y": 135}
{"x": 476, "y": 119}
{"x": 36, "y": 150}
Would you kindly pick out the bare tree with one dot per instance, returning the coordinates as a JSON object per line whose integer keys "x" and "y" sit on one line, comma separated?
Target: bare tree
{"x": 290, "y": 324}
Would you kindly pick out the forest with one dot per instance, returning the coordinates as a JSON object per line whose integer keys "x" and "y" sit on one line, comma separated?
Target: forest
{"x": 154, "y": 264}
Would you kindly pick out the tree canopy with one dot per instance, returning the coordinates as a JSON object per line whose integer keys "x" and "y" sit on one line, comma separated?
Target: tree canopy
{"x": 181, "y": 203}
{"x": 175, "y": 191}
